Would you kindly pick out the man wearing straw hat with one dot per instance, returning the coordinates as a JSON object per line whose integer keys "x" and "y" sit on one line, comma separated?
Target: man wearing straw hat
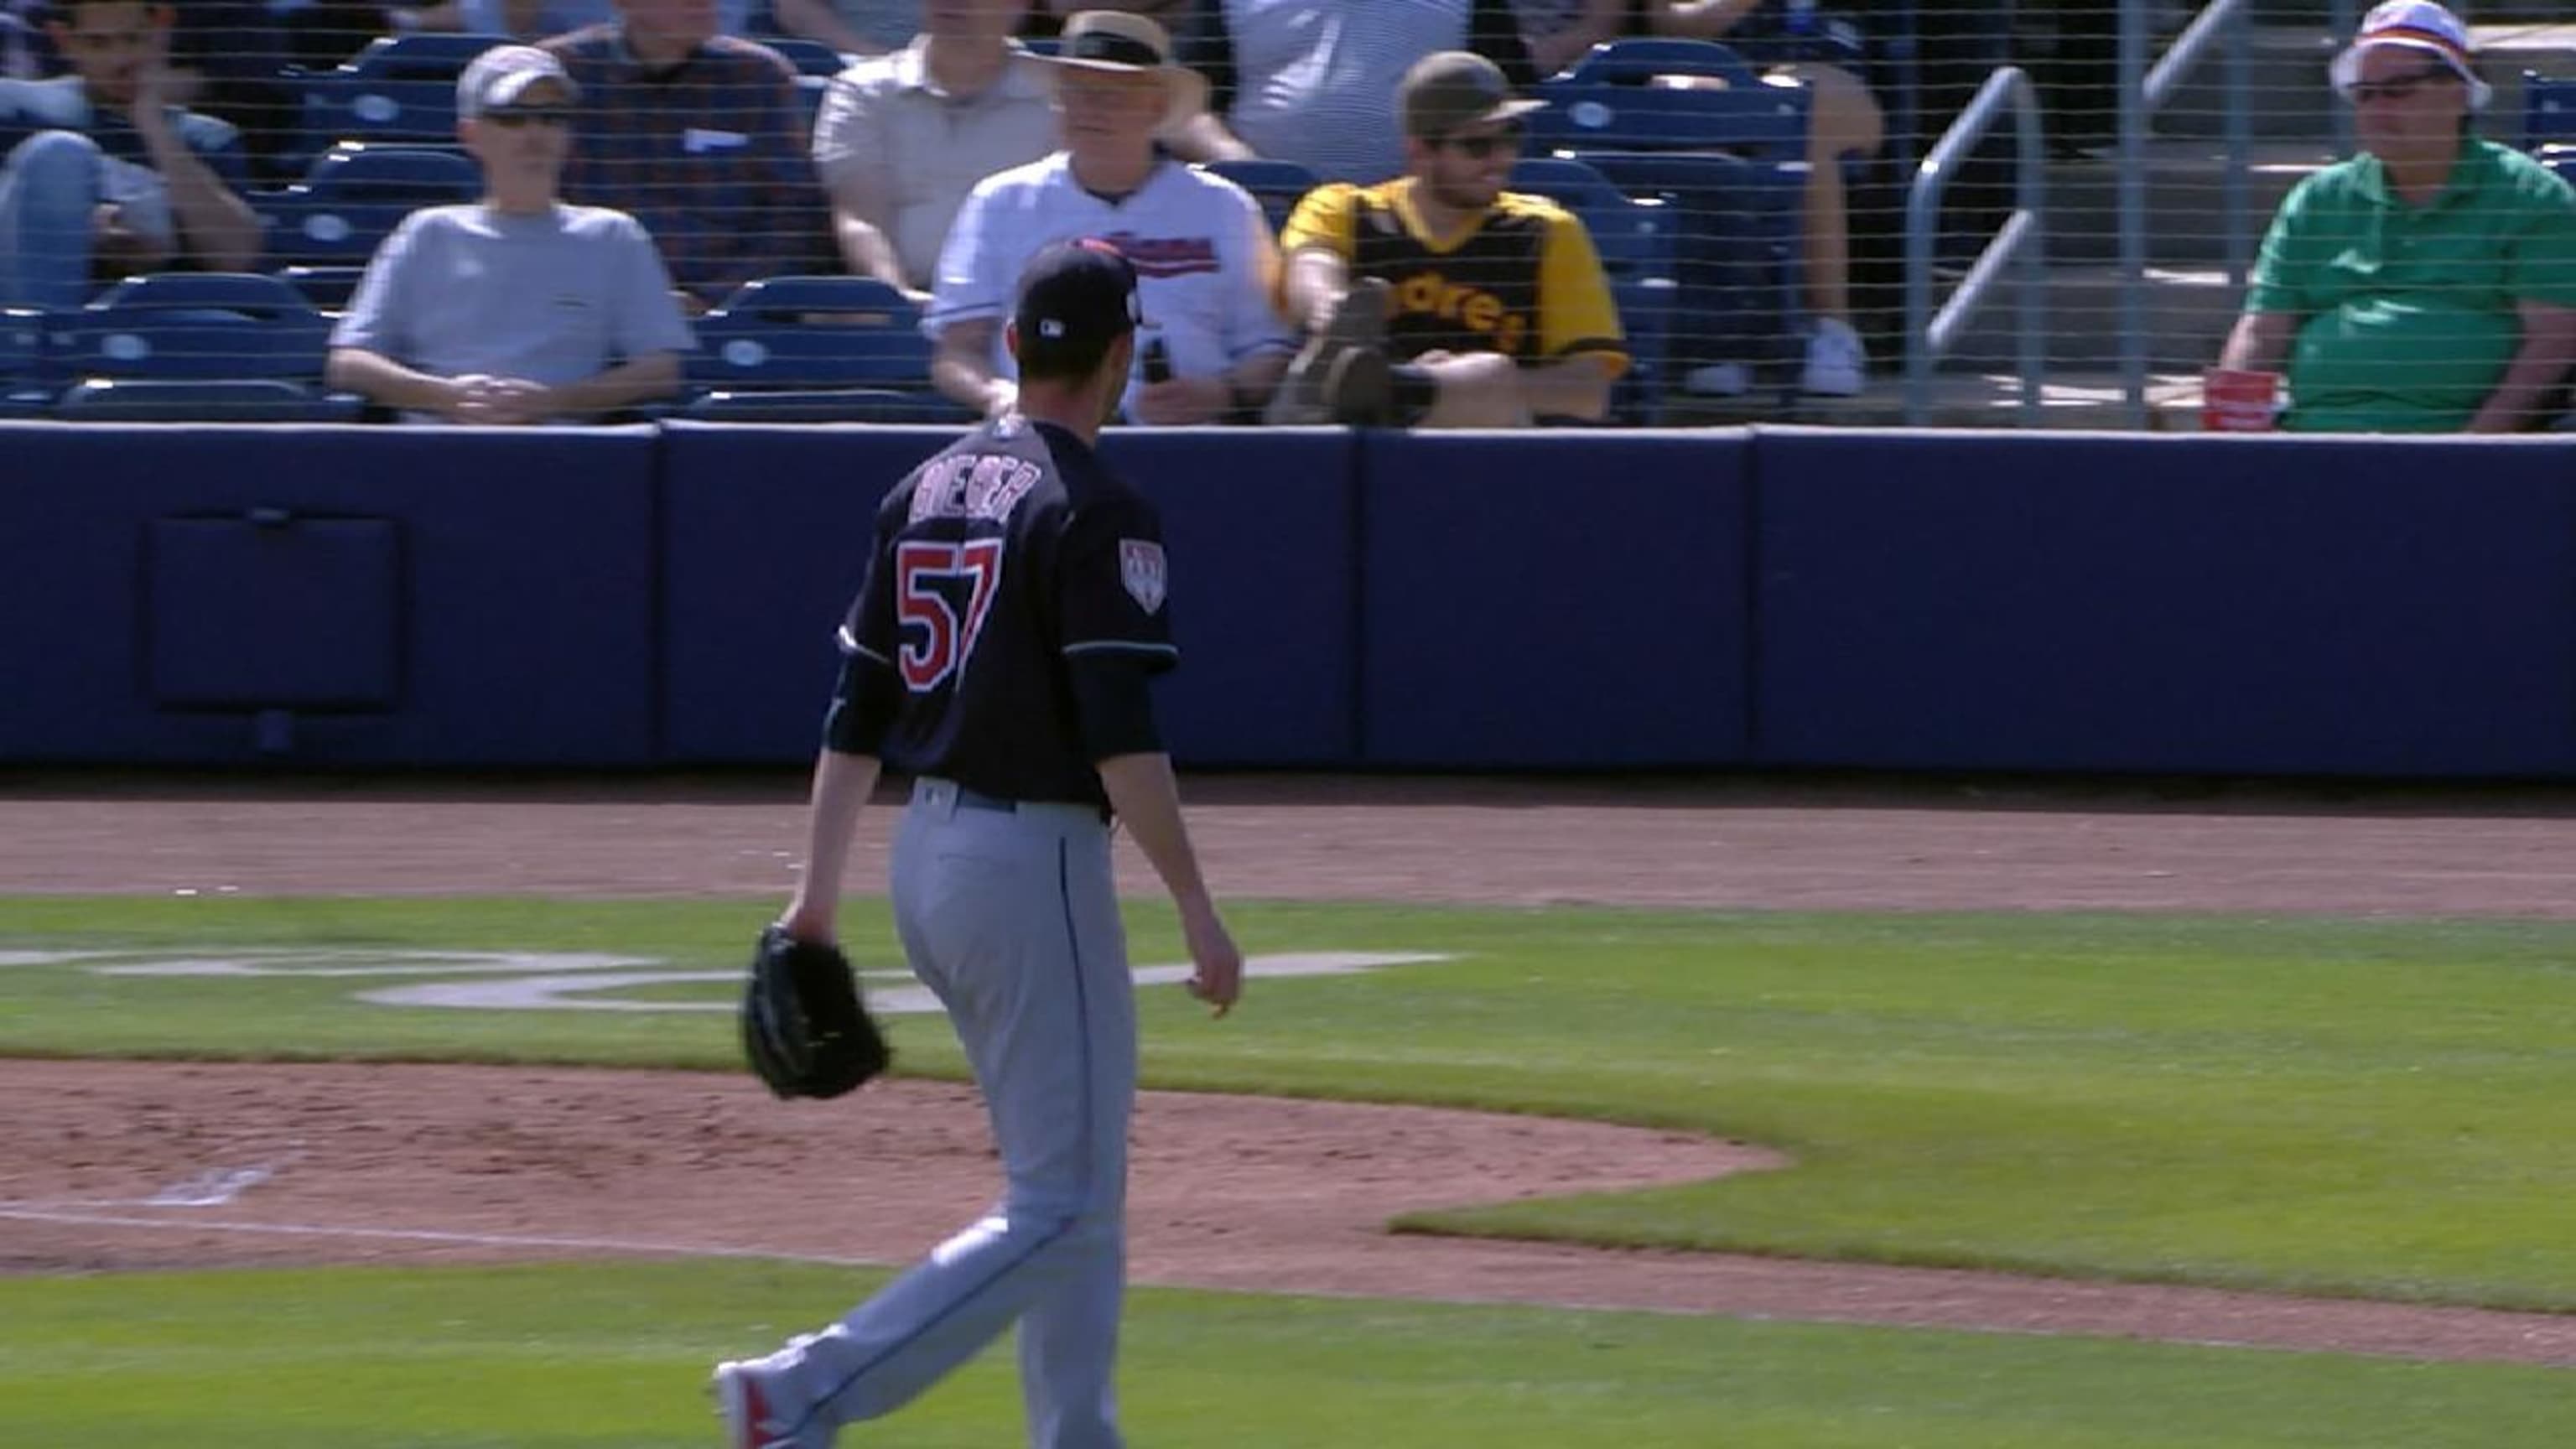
{"x": 1213, "y": 347}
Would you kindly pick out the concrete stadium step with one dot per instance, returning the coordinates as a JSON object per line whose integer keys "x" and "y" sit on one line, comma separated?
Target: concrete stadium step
{"x": 2188, "y": 313}
{"x": 2186, "y": 180}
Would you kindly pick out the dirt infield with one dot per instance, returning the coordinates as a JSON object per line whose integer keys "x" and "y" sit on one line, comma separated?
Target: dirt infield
{"x": 106, "y": 1166}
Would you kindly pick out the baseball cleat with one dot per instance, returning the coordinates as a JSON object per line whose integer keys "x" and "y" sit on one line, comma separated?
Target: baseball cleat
{"x": 1357, "y": 324}
{"x": 744, "y": 1406}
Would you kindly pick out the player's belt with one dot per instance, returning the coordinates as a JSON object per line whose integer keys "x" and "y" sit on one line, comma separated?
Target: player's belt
{"x": 977, "y": 800}
{"x": 964, "y": 797}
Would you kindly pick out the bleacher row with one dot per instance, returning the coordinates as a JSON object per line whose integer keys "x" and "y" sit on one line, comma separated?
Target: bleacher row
{"x": 1692, "y": 196}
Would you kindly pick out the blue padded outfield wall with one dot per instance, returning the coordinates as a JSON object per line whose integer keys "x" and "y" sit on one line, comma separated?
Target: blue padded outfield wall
{"x": 379, "y": 597}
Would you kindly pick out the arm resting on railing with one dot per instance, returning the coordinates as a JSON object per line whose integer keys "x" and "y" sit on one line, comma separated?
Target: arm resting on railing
{"x": 2539, "y": 365}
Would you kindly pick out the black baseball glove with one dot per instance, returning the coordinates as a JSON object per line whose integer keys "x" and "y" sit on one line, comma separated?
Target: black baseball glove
{"x": 803, "y": 1026}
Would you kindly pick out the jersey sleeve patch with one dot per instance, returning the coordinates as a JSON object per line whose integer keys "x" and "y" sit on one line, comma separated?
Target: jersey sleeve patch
{"x": 1141, "y": 569}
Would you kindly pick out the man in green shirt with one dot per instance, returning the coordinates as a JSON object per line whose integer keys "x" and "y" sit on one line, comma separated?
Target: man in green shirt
{"x": 2428, "y": 284}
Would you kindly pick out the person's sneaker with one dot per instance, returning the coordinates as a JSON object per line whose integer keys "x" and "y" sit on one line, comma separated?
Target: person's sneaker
{"x": 751, "y": 1421}
{"x": 1358, "y": 389}
{"x": 1358, "y": 322}
{"x": 1718, "y": 379}
{"x": 1837, "y": 364}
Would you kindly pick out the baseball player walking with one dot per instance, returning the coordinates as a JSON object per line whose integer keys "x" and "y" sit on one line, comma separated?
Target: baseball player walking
{"x": 999, "y": 652}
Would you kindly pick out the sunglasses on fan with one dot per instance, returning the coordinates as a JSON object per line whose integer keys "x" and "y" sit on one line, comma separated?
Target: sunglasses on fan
{"x": 1477, "y": 148}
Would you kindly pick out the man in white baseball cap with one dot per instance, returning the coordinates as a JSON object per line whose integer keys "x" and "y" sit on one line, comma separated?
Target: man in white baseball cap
{"x": 516, "y": 308}
{"x": 2419, "y": 26}
{"x": 2427, "y": 285}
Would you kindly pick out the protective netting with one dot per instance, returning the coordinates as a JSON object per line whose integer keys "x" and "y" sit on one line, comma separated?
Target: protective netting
{"x": 1749, "y": 173}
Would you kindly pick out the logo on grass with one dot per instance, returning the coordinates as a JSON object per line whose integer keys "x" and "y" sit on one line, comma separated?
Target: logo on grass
{"x": 591, "y": 981}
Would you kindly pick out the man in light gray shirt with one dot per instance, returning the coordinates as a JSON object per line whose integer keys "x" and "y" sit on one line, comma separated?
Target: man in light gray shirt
{"x": 517, "y": 308}
{"x": 903, "y": 137}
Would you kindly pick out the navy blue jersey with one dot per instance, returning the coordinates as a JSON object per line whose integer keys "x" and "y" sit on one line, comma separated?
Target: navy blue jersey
{"x": 1009, "y": 571}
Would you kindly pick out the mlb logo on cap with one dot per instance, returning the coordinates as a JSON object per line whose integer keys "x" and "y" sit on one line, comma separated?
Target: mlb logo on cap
{"x": 1076, "y": 294}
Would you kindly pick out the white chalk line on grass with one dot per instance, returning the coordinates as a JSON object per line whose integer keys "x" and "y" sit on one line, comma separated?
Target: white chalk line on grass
{"x": 74, "y": 1215}
{"x": 34, "y": 1212}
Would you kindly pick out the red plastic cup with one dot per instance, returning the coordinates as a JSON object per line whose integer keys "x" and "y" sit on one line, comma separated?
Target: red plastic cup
{"x": 2234, "y": 400}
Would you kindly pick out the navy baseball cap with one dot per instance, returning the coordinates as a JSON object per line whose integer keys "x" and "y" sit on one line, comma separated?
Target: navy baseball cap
{"x": 1075, "y": 296}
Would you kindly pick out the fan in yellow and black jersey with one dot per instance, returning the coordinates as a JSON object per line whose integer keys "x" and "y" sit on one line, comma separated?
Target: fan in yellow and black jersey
{"x": 1438, "y": 298}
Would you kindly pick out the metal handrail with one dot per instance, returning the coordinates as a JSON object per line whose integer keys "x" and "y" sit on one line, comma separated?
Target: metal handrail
{"x": 2143, "y": 92}
{"x": 2022, "y": 238}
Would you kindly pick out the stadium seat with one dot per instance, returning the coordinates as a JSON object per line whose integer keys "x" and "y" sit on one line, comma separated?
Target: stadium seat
{"x": 812, "y": 334}
{"x": 1742, "y": 274}
{"x": 327, "y": 288}
{"x": 355, "y": 195}
{"x": 1635, "y": 237}
{"x": 1277, "y": 185}
{"x": 1618, "y": 99}
{"x": 421, "y": 55}
{"x": 810, "y": 57}
{"x": 22, "y": 351}
{"x": 810, "y": 91}
{"x": 197, "y": 327}
{"x": 229, "y": 400}
{"x": 828, "y": 405}
{"x": 1728, "y": 159}
{"x": 2561, "y": 159}
{"x": 2548, "y": 110}
{"x": 400, "y": 88}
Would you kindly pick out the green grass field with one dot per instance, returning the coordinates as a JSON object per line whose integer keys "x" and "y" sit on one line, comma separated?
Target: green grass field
{"x": 2363, "y": 1108}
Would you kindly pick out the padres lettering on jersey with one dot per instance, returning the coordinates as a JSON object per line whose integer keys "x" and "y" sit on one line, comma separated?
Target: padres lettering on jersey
{"x": 1522, "y": 280}
{"x": 997, "y": 562}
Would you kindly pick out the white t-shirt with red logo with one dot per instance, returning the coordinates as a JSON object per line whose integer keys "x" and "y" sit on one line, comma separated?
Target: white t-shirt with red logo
{"x": 1206, "y": 263}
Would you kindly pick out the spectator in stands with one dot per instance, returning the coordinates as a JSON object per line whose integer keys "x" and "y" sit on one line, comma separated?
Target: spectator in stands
{"x": 1843, "y": 121}
{"x": 701, "y": 137}
{"x": 1207, "y": 262}
{"x": 1560, "y": 32}
{"x": 536, "y": 19}
{"x": 862, "y": 27}
{"x": 103, "y": 175}
{"x": 902, "y": 138}
{"x": 1495, "y": 302}
{"x": 1313, "y": 81}
{"x": 225, "y": 58}
{"x": 25, "y": 52}
{"x": 517, "y": 308}
{"x": 2429, "y": 283}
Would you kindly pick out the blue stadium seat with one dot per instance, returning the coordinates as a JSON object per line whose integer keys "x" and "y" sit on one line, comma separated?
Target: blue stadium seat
{"x": 810, "y": 335}
{"x": 327, "y": 288}
{"x": 199, "y": 327}
{"x": 228, "y": 400}
{"x": 2560, "y": 159}
{"x": 355, "y": 195}
{"x": 1729, "y": 159}
{"x": 1636, "y": 239}
{"x": 810, "y": 57}
{"x": 1742, "y": 273}
{"x": 22, "y": 351}
{"x": 1277, "y": 185}
{"x": 827, "y": 405}
{"x": 400, "y": 88}
{"x": 810, "y": 91}
{"x": 2548, "y": 109}
{"x": 1616, "y": 99}
{"x": 422, "y": 55}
